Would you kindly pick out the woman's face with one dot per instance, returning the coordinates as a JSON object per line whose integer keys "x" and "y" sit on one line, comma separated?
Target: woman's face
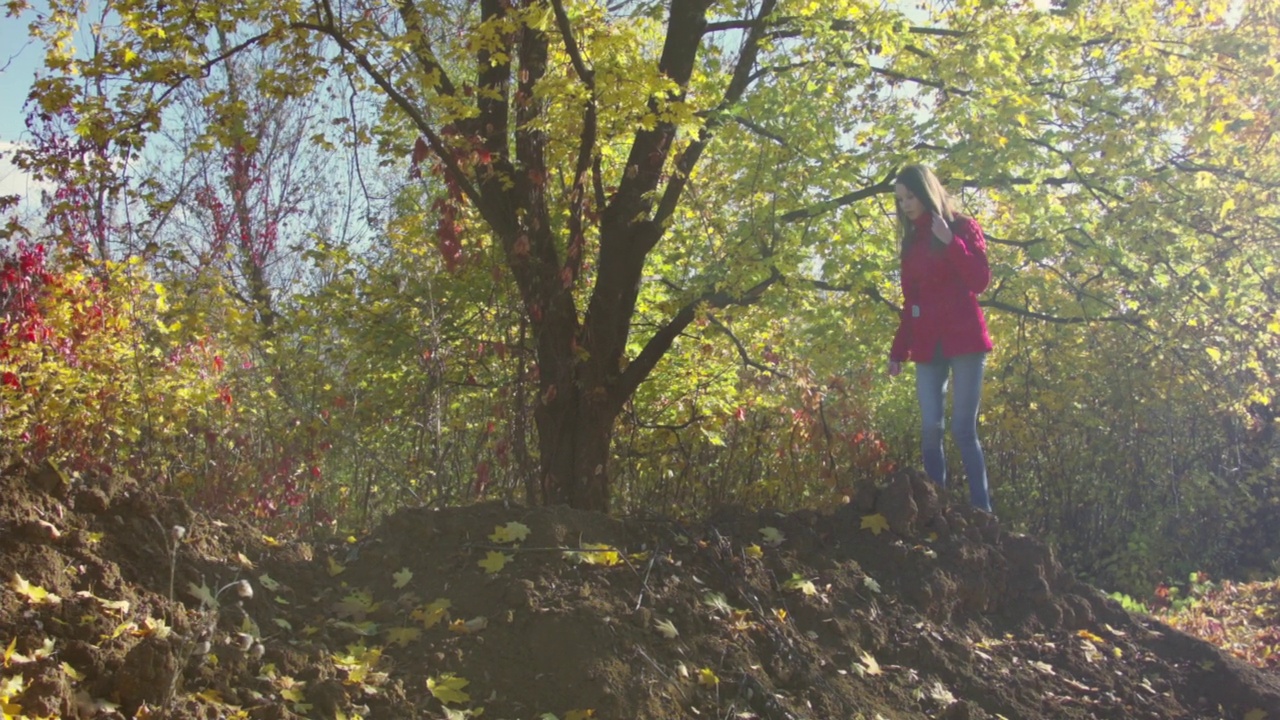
{"x": 908, "y": 201}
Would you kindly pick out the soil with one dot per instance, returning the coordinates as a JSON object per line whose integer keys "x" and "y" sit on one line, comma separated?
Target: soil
{"x": 573, "y": 615}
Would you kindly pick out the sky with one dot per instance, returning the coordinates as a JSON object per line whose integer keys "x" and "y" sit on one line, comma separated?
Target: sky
{"x": 19, "y": 58}
{"x": 18, "y": 62}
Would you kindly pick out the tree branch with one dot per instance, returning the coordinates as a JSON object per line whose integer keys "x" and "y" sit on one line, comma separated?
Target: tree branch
{"x": 661, "y": 340}
{"x": 738, "y": 85}
{"x": 882, "y": 187}
{"x": 742, "y": 350}
{"x": 409, "y": 108}
{"x": 412, "y": 18}
{"x": 586, "y": 144}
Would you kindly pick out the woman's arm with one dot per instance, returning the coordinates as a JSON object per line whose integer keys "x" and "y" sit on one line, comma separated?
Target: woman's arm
{"x": 968, "y": 250}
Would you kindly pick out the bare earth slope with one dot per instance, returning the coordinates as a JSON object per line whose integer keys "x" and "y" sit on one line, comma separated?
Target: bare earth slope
{"x": 747, "y": 615}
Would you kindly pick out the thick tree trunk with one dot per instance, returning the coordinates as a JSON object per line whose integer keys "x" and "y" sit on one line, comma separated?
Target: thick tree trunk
{"x": 574, "y": 436}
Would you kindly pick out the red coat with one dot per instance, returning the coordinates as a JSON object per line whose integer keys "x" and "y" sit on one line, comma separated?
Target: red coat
{"x": 940, "y": 295}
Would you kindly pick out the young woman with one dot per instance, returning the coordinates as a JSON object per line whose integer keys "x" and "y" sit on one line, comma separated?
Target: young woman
{"x": 942, "y": 329}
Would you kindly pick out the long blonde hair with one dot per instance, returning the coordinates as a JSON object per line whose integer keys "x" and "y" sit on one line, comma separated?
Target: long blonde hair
{"x": 922, "y": 183}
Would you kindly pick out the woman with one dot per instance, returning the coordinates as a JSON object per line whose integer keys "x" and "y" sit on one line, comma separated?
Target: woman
{"x": 944, "y": 268}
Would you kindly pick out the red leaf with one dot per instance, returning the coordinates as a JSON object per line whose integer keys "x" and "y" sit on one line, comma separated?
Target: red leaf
{"x": 420, "y": 152}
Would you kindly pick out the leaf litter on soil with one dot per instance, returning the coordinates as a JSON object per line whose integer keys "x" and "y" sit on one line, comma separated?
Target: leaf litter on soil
{"x": 928, "y": 610}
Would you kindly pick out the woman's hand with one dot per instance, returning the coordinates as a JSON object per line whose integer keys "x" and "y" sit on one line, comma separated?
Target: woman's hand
{"x": 942, "y": 230}
{"x": 895, "y": 368}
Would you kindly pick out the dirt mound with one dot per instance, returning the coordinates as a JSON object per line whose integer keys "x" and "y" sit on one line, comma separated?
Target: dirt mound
{"x": 895, "y": 605}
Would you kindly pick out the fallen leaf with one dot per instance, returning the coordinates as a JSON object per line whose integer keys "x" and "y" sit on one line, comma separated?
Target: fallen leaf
{"x": 718, "y": 602}
{"x": 35, "y": 594}
{"x": 268, "y": 582}
{"x": 595, "y": 554}
{"x": 356, "y": 605}
{"x": 432, "y": 613}
{"x": 667, "y": 629}
{"x": 270, "y": 541}
{"x": 773, "y": 537}
{"x": 294, "y": 693}
{"x": 448, "y": 688}
{"x": 210, "y": 696}
{"x": 780, "y": 613}
{"x": 72, "y": 672}
{"x": 876, "y": 523}
{"x": 708, "y": 678}
{"x": 871, "y": 584}
{"x": 203, "y": 594}
{"x": 579, "y": 714}
{"x": 403, "y": 635}
{"x": 1256, "y": 714}
{"x": 466, "y": 627}
{"x": 1043, "y": 667}
{"x": 1113, "y": 631}
{"x": 510, "y": 533}
{"x": 401, "y": 578}
{"x": 335, "y": 568}
{"x": 869, "y": 665}
{"x": 753, "y": 551}
{"x": 1090, "y": 636}
{"x": 284, "y": 624}
{"x": 798, "y": 582}
{"x": 245, "y": 562}
{"x": 494, "y": 561}
{"x": 368, "y": 628}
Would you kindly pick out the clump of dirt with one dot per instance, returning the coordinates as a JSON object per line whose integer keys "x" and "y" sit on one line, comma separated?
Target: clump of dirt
{"x": 896, "y": 605}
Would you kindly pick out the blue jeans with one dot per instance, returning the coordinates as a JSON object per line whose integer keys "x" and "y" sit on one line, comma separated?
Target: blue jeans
{"x": 931, "y": 391}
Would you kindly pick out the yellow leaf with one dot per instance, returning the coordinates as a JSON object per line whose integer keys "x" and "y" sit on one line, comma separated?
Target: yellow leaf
{"x": 773, "y": 537}
{"x": 509, "y": 533}
{"x": 708, "y": 678}
{"x": 1256, "y": 714}
{"x": 401, "y": 578}
{"x": 798, "y": 582}
{"x": 600, "y": 554}
{"x": 1091, "y": 637}
{"x": 336, "y": 568}
{"x": 72, "y": 672}
{"x": 1214, "y": 353}
{"x": 245, "y": 562}
{"x": 34, "y": 594}
{"x": 494, "y": 561}
{"x": 466, "y": 627}
{"x": 121, "y": 629}
{"x": 8, "y": 652}
{"x": 432, "y": 613}
{"x": 876, "y": 523}
{"x": 448, "y": 688}
{"x": 10, "y": 687}
{"x": 270, "y": 541}
{"x": 210, "y": 696}
{"x": 869, "y": 665}
{"x": 781, "y": 614}
{"x": 753, "y": 551}
{"x": 403, "y": 635}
